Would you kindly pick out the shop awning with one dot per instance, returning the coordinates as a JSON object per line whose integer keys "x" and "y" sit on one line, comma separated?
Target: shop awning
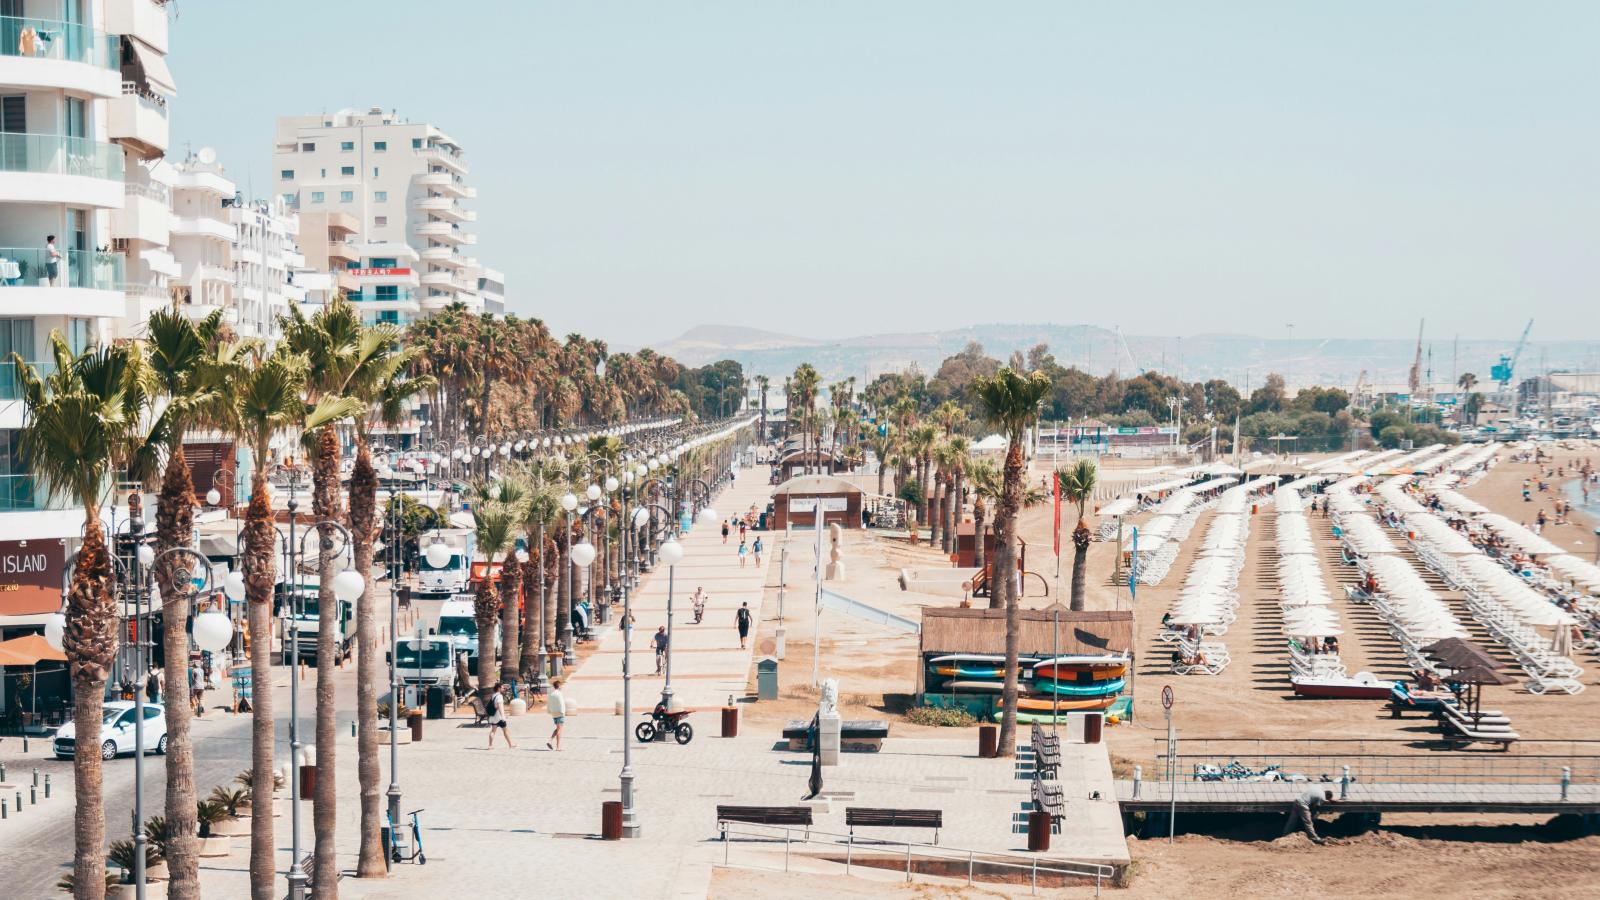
{"x": 155, "y": 68}
{"x": 28, "y": 650}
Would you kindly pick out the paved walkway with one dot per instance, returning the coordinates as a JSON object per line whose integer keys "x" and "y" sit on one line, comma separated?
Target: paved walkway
{"x": 707, "y": 663}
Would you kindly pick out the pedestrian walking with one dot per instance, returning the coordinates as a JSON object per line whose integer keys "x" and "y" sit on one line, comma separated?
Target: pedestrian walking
{"x": 660, "y": 641}
{"x": 725, "y": 530}
{"x": 1304, "y": 811}
{"x": 152, "y": 685}
{"x": 742, "y": 551}
{"x": 556, "y": 705}
{"x": 742, "y": 526}
{"x": 495, "y": 711}
{"x": 742, "y": 619}
{"x": 197, "y": 689}
{"x": 756, "y": 549}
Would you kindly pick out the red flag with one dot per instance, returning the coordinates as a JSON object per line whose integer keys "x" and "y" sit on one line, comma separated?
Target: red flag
{"x": 1055, "y": 482}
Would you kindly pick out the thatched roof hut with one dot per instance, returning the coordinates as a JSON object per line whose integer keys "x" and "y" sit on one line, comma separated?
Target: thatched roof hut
{"x": 957, "y": 630}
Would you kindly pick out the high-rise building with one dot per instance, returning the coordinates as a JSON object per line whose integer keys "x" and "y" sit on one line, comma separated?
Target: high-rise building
{"x": 492, "y": 288}
{"x": 84, "y": 88}
{"x": 401, "y": 184}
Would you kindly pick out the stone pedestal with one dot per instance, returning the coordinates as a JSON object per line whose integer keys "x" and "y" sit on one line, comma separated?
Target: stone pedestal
{"x": 779, "y": 636}
{"x": 517, "y": 707}
{"x": 828, "y": 731}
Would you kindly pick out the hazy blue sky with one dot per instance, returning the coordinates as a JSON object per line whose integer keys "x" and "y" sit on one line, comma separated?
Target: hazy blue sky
{"x": 836, "y": 168}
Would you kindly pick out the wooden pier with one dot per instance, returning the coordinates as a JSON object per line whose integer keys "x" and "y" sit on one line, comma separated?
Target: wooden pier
{"x": 1359, "y": 797}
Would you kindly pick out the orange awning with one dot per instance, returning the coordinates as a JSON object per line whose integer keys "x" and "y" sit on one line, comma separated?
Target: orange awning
{"x": 28, "y": 650}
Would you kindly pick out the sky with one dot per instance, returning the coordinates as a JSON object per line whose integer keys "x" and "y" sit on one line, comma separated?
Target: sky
{"x": 830, "y": 168}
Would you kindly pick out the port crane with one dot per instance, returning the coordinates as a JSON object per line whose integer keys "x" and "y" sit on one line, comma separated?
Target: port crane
{"x": 1503, "y": 371}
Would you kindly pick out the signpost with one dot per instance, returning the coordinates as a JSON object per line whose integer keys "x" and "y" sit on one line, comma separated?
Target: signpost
{"x": 1172, "y": 763}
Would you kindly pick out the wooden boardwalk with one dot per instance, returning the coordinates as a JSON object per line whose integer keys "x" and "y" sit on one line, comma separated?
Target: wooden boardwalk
{"x": 1245, "y": 797}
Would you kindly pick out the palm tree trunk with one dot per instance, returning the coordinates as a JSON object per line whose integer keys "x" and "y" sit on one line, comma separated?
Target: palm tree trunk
{"x": 363, "y": 525}
{"x": 980, "y": 550}
{"x": 259, "y": 537}
{"x": 883, "y": 464}
{"x": 948, "y": 502}
{"x": 324, "y": 805}
{"x": 1005, "y": 567}
{"x": 527, "y": 667}
{"x": 1080, "y": 563}
{"x": 935, "y": 501}
{"x": 511, "y": 616}
{"x": 552, "y": 594}
{"x": 175, "y": 528}
{"x": 90, "y": 644}
{"x": 487, "y": 608}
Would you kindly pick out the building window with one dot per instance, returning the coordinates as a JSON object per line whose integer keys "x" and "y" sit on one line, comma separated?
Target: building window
{"x": 347, "y": 196}
{"x": 347, "y": 171}
{"x": 316, "y": 197}
{"x": 291, "y": 200}
{"x": 308, "y": 148}
{"x": 380, "y": 146}
{"x": 384, "y": 262}
{"x": 287, "y": 174}
{"x": 380, "y": 196}
{"x": 387, "y": 291}
{"x": 347, "y": 145}
{"x": 374, "y": 171}
{"x": 380, "y": 221}
{"x": 416, "y": 143}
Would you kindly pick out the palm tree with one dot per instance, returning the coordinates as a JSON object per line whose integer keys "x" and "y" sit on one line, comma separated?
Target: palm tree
{"x": 1077, "y": 484}
{"x": 1010, "y": 401}
{"x": 495, "y": 523}
{"x": 541, "y": 515}
{"x": 78, "y": 425}
{"x": 330, "y": 342}
{"x": 806, "y": 383}
{"x": 192, "y": 365}
{"x": 1466, "y": 382}
{"x": 882, "y": 444}
{"x": 379, "y": 382}
{"x": 763, "y": 382}
{"x": 987, "y": 487}
{"x": 919, "y": 443}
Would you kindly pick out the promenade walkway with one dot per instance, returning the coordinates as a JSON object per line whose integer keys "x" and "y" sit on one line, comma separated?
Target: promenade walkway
{"x": 707, "y": 663}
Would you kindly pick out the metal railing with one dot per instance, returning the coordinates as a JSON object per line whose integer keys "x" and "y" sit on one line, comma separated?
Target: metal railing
{"x": 31, "y": 267}
{"x": 975, "y": 860}
{"x": 1375, "y": 762}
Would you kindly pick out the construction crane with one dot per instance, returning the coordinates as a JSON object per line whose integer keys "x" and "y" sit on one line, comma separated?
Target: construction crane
{"x": 1355, "y": 395}
{"x": 1415, "y": 380}
{"x": 1503, "y": 371}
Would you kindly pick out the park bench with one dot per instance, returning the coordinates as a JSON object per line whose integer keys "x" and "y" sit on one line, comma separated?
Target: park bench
{"x": 1046, "y": 751}
{"x": 868, "y": 817}
{"x": 856, "y": 734}
{"x": 762, "y": 815}
{"x": 1047, "y": 797}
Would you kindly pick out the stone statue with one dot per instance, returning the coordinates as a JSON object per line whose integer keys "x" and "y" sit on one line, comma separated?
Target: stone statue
{"x": 828, "y": 705}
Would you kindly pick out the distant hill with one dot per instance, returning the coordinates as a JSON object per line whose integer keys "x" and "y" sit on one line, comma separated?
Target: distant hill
{"x": 1238, "y": 358}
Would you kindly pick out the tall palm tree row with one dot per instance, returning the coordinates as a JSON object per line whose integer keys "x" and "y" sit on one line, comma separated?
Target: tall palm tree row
{"x": 81, "y": 424}
{"x": 1010, "y": 402}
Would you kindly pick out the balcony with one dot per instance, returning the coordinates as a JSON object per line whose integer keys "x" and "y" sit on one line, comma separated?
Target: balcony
{"x": 143, "y": 19}
{"x": 439, "y": 155}
{"x": 82, "y": 283}
{"x": 53, "y": 168}
{"x": 138, "y": 120}
{"x": 432, "y": 204}
{"x": 46, "y": 53}
{"x": 144, "y": 216}
{"x": 445, "y": 255}
{"x": 339, "y": 251}
{"x": 341, "y": 225}
{"x": 203, "y": 226}
{"x": 437, "y": 280}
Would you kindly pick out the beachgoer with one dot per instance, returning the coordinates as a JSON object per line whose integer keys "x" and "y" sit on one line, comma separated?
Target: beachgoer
{"x": 742, "y": 619}
{"x": 742, "y": 551}
{"x": 494, "y": 709}
{"x": 725, "y": 530}
{"x": 660, "y": 642}
{"x": 52, "y": 261}
{"x": 1304, "y": 809}
{"x": 556, "y": 706}
{"x": 756, "y": 549}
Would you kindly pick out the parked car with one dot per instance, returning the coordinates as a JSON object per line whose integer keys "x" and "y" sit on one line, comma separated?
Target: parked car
{"x": 117, "y": 733}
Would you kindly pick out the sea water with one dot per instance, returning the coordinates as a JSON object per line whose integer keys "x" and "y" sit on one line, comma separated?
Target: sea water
{"x": 1575, "y": 497}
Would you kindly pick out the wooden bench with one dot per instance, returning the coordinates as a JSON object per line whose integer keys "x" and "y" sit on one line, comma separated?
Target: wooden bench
{"x": 868, "y": 817}
{"x": 864, "y": 735}
{"x": 1046, "y": 751}
{"x": 762, "y": 815}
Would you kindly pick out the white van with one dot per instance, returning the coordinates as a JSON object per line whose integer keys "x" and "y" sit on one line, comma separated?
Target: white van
{"x": 458, "y": 622}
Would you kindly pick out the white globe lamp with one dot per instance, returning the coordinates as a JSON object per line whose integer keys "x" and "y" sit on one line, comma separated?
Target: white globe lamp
{"x": 212, "y": 631}
{"x": 583, "y": 554}
{"x": 213, "y": 497}
{"x": 592, "y": 492}
{"x": 438, "y": 554}
{"x": 569, "y": 502}
{"x": 708, "y": 516}
{"x": 672, "y": 552}
{"x": 612, "y": 483}
{"x": 640, "y": 517}
{"x": 348, "y": 585}
{"x": 146, "y": 555}
{"x": 233, "y": 585}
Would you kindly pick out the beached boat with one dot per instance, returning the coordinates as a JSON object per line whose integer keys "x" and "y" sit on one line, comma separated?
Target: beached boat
{"x": 1065, "y": 704}
{"x": 973, "y": 671}
{"x": 1091, "y": 689}
{"x": 991, "y": 658}
{"x": 1360, "y": 686}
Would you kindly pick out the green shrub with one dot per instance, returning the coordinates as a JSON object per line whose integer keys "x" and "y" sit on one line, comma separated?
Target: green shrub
{"x": 946, "y": 718}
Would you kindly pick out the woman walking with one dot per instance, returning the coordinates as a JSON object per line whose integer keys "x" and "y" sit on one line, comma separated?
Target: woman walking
{"x": 495, "y": 707}
{"x": 742, "y": 551}
{"x": 556, "y": 706}
{"x": 742, "y": 619}
{"x": 725, "y": 531}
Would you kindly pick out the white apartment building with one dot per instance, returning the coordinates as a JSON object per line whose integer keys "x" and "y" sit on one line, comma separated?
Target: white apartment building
{"x": 400, "y": 185}
{"x": 492, "y": 288}
{"x": 266, "y": 257}
{"x": 83, "y": 113}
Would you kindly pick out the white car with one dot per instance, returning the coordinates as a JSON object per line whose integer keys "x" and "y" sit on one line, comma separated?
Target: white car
{"x": 117, "y": 733}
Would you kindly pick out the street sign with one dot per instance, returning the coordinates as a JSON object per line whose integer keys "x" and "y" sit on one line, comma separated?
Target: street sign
{"x": 1166, "y": 697}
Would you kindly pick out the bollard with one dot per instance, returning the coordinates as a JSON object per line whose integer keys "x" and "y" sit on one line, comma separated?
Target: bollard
{"x": 24, "y": 742}
{"x": 33, "y": 796}
{"x": 353, "y": 727}
{"x": 1344, "y": 784}
{"x": 2, "y": 771}
{"x": 3, "y": 814}
{"x": 47, "y": 787}
{"x": 1138, "y": 780}
{"x": 19, "y": 801}
{"x": 35, "y": 776}
{"x": 1566, "y": 781}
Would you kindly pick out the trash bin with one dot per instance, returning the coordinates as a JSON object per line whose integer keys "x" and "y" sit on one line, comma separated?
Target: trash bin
{"x": 308, "y": 781}
{"x": 730, "y": 721}
{"x": 435, "y": 702}
{"x": 1039, "y": 831}
{"x": 988, "y": 740}
{"x": 767, "y": 679}
{"x": 415, "y": 721}
{"x": 1093, "y": 725}
{"x": 611, "y": 820}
